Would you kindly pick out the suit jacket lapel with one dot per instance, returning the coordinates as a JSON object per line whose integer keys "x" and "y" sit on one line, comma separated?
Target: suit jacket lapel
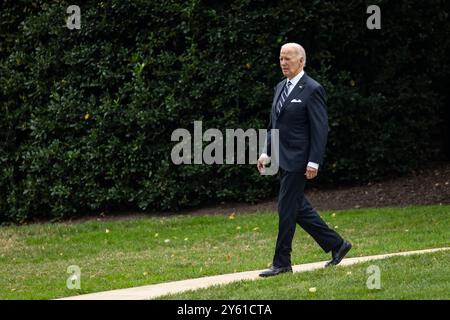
{"x": 277, "y": 94}
{"x": 298, "y": 88}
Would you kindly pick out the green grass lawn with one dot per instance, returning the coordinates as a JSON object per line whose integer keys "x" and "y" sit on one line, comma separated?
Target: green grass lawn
{"x": 127, "y": 253}
{"x": 414, "y": 277}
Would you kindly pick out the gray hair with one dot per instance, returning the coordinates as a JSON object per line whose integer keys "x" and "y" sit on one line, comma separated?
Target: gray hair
{"x": 298, "y": 50}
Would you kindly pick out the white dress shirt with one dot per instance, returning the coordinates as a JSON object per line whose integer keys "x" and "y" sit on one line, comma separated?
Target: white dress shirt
{"x": 264, "y": 157}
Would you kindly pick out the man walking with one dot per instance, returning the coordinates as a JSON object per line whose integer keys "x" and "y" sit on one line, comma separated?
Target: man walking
{"x": 299, "y": 112}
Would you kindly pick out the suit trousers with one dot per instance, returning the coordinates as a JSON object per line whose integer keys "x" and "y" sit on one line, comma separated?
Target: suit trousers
{"x": 293, "y": 208}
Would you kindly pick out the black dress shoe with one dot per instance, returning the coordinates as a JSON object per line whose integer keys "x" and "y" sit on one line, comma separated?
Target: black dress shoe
{"x": 338, "y": 255}
{"x": 274, "y": 271}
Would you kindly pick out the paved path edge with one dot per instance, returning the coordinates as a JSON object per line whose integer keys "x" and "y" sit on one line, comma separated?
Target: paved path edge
{"x": 157, "y": 290}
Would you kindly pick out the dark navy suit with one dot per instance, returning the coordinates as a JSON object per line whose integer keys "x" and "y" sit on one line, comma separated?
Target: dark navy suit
{"x": 303, "y": 129}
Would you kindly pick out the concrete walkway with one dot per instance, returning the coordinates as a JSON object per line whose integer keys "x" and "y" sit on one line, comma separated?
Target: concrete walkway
{"x": 157, "y": 290}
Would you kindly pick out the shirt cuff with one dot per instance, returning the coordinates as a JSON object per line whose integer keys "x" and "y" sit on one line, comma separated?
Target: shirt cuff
{"x": 313, "y": 165}
{"x": 264, "y": 157}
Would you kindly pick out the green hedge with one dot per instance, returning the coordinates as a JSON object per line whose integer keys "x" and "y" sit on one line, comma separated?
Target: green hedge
{"x": 87, "y": 114}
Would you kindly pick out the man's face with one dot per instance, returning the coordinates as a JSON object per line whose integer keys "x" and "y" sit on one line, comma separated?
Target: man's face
{"x": 290, "y": 63}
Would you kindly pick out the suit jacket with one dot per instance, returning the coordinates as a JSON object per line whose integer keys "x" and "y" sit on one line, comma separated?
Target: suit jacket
{"x": 302, "y": 125}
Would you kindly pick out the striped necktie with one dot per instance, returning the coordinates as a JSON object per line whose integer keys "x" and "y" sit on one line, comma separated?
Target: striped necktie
{"x": 283, "y": 96}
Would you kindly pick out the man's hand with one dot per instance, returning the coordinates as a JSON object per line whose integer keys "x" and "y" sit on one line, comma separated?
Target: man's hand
{"x": 310, "y": 172}
{"x": 261, "y": 163}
